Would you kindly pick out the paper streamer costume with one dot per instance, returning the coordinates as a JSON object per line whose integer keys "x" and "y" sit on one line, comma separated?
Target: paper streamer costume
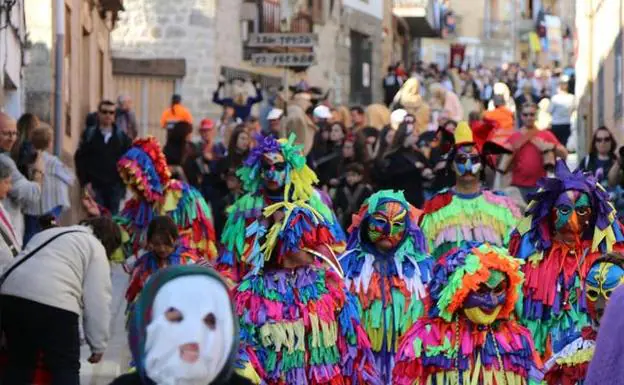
{"x": 144, "y": 169}
{"x": 451, "y": 218}
{"x": 277, "y": 181}
{"x": 301, "y": 321}
{"x": 149, "y": 263}
{"x": 389, "y": 283}
{"x": 469, "y": 338}
{"x": 569, "y": 223}
{"x": 184, "y": 330}
{"x": 569, "y": 366}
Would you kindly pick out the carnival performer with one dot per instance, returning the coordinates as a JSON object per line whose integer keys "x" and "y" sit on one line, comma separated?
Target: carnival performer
{"x": 274, "y": 176}
{"x": 144, "y": 170}
{"x": 468, "y": 212}
{"x": 386, "y": 266}
{"x": 295, "y": 312}
{"x": 470, "y": 336}
{"x": 184, "y": 330}
{"x": 164, "y": 250}
{"x": 569, "y": 223}
{"x": 569, "y": 366}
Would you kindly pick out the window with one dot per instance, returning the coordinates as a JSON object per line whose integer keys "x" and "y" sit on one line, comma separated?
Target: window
{"x": 600, "y": 92}
{"x": 618, "y": 76}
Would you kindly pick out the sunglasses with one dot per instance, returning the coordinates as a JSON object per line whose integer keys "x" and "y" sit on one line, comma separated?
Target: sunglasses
{"x": 528, "y": 114}
{"x": 603, "y": 140}
{"x": 463, "y": 158}
{"x": 107, "y": 112}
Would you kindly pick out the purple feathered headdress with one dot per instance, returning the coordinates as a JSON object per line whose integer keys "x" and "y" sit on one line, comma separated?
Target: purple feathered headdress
{"x": 543, "y": 201}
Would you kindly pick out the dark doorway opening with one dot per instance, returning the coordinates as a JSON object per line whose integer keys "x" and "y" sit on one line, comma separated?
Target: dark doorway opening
{"x": 361, "y": 69}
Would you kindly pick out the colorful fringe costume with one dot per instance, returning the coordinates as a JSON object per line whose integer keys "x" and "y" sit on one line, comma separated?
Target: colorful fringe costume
{"x": 450, "y": 219}
{"x": 569, "y": 366}
{"x": 449, "y": 349}
{"x": 149, "y": 263}
{"x": 390, "y": 286}
{"x": 301, "y": 322}
{"x": 553, "y": 307}
{"x": 247, "y": 233}
{"x": 144, "y": 169}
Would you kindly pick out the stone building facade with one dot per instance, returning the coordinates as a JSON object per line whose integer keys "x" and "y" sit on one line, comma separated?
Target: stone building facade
{"x": 210, "y": 36}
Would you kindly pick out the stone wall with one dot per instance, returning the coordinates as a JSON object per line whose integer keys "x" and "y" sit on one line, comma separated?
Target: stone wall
{"x": 187, "y": 30}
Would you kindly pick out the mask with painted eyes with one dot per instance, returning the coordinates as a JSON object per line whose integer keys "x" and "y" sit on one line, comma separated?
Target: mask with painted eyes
{"x": 572, "y": 213}
{"x": 602, "y": 279}
{"x": 483, "y": 305}
{"x": 467, "y": 161}
{"x": 386, "y": 226}
{"x": 273, "y": 171}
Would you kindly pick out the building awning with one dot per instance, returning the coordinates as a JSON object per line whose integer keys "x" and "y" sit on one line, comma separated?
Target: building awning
{"x": 420, "y": 15}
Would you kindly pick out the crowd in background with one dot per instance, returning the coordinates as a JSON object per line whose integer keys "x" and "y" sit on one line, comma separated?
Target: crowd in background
{"x": 355, "y": 150}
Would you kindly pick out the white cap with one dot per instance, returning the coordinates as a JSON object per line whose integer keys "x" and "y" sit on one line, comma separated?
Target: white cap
{"x": 275, "y": 114}
{"x": 322, "y": 112}
{"x": 397, "y": 118}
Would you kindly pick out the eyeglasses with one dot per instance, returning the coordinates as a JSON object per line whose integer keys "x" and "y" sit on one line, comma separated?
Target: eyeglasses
{"x": 528, "y": 114}
{"x": 9, "y": 134}
{"x": 107, "y": 112}
{"x": 603, "y": 140}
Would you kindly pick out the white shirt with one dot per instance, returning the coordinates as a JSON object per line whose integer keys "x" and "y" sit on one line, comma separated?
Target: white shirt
{"x": 561, "y": 108}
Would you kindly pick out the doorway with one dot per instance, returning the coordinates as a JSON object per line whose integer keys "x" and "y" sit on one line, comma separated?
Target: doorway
{"x": 361, "y": 69}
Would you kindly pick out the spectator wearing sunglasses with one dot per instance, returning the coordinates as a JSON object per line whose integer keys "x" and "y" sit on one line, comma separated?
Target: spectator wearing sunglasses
{"x": 601, "y": 157}
{"x": 534, "y": 152}
{"x": 101, "y": 146}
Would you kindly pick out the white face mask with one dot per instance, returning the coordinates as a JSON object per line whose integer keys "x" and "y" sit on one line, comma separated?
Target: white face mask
{"x": 185, "y": 346}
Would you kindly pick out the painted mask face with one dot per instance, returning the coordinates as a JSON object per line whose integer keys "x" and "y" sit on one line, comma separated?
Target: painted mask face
{"x": 191, "y": 334}
{"x": 483, "y": 305}
{"x": 603, "y": 278}
{"x": 572, "y": 213}
{"x": 386, "y": 227}
{"x": 467, "y": 161}
{"x": 273, "y": 171}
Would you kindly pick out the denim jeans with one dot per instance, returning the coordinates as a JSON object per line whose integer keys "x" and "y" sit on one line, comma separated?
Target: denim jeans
{"x": 31, "y": 223}
{"x": 109, "y": 196}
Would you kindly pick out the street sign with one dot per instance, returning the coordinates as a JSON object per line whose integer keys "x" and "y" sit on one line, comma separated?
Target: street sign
{"x": 282, "y": 40}
{"x": 301, "y": 59}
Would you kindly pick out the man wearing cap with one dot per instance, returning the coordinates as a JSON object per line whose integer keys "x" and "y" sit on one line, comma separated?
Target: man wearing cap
{"x": 275, "y": 123}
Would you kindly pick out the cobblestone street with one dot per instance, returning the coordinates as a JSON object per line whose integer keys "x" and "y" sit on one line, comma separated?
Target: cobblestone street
{"x": 117, "y": 355}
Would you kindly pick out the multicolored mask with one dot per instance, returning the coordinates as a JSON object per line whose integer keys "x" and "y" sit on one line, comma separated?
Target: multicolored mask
{"x": 482, "y": 306}
{"x": 603, "y": 278}
{"x": 386, "y": 226}
{"x": 273, "y": 171}
{"x": 467, "y": 161}
{"x": 572, "y": 212}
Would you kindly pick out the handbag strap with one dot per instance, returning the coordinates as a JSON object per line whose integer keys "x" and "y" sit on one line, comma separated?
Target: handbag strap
{"x": 29, "y": 255}
{"x": 10, "y": 243}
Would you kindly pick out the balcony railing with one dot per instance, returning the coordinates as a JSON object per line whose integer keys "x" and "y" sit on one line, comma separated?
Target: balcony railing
{"x": 410, "y": 3}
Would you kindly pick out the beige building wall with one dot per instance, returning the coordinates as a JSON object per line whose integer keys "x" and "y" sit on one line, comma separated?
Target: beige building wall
{"x": 599, "y": 68}
{"x": 87, "y": 70}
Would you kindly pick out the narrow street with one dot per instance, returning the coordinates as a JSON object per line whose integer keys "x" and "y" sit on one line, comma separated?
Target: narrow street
{"x": 117, "y": 356}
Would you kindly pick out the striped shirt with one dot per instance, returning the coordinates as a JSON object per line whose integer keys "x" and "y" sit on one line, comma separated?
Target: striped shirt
{"x": 57, "y": 179}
